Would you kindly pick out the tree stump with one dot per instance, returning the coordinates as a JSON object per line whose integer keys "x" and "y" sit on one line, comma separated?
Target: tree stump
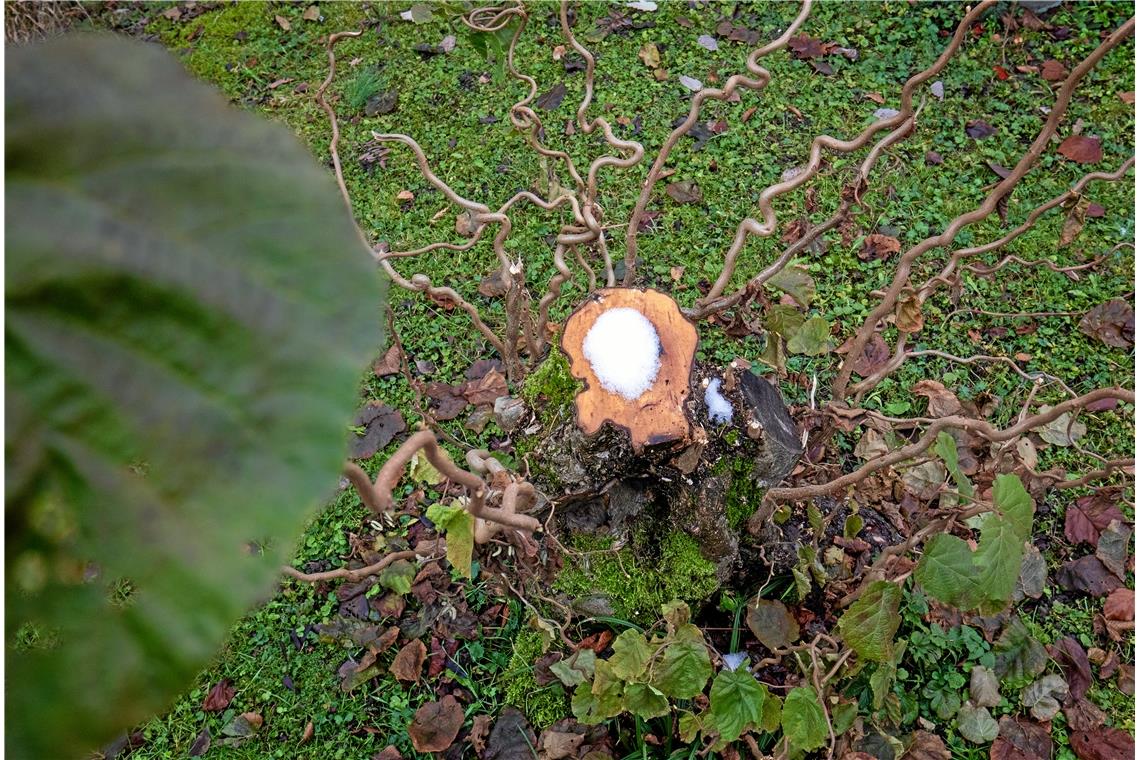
{"x": 658, "y": 446}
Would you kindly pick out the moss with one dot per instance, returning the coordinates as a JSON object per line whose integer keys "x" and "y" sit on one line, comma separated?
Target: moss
{"x": 743, "y": 494}
{"x": 635, "y": 585}
{"x": 542, "y": 706}
{"x": 550, "y": 389}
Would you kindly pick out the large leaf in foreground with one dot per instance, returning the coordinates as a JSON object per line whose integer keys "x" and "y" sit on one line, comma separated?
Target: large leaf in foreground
{"x": 188, "y": 313}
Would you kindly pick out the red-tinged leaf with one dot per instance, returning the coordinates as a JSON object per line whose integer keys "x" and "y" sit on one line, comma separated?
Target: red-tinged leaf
{"x": 685, "y": 191}
{"x": 1021, "y": 739}
{"x": 408, "y": 662}
{"x": 436, "y": 724}
{"x": 1083, "y": 715}
{"x": 923, "y": 745}
{"x": 1094, "y": 211}
{"x": 1081, "y": 149}
{"x": 1002, "y": 74}
{"x": 1074, "y": 661}
{"x": 941, "y": 402}
{"x": 998, "y": 169}
{"x": 1104, "y": 743}
{"x": 1128, "y": 97}
{"x": 1087, "y": 575}
{"x": 597, "y": 641}
{"x": 805, "y": 47}
{"x": 1120, "y": 605}
{"x": 1113, "y": 323}
{"x": 979, "y": 129}
{"x": 486, "y": 389}
{"x": 220, "y": 696}
{"x": 1103, "y": 405}
{"x": 879, "y": 247}
{"x": 201, "y": 743}
{"x": 1053, "y": 71}
{"x": 873, "y": 358}
{"x": 933, "y": 158}
{"x": 1090, "y": 515}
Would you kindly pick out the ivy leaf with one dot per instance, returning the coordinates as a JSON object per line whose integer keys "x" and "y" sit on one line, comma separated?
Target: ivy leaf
{"x": 685, "y": 669}
{"x": 796, "y": 282}
{"x": 946, "y": 571}
{"x": 812, "y": 339}
{"x": 803, "y": 719}
{"x": 736, "y": 700}
{"x": 1018, "y": 657}
{"x": 645, "y": 701}
{"x": 188, "y": 313}
{"x": 631, "y": 655}
{"x": 869, "y": 625}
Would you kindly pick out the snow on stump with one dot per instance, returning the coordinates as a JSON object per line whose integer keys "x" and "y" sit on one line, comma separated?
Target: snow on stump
{"x": 633, "y": 349}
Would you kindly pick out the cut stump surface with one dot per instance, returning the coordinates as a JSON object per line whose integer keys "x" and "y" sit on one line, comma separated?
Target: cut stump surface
{"x": 657, "y": 415}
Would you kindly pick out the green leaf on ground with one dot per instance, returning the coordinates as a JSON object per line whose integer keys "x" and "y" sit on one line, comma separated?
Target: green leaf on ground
{"x": 684, "y": 669}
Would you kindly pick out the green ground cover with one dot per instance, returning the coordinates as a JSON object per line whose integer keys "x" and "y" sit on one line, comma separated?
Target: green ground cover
{"x": 455, "y": 105}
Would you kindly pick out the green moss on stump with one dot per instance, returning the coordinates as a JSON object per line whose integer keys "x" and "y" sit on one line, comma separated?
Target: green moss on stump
{"x": 543, "y": 706}
{"x": 634, "y": 586}
{"x": 550, "y": 389}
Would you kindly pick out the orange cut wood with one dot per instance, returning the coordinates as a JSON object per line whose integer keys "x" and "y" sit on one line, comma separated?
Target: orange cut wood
{"x": 657, "y": 415}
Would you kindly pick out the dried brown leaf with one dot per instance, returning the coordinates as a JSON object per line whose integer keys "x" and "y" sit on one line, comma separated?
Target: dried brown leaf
{"x": 219, "y": 696}
{"x": 436, "y": 724}
{"x": 1113, "y": 323}
{"x": 1081, "y": 149}
{"x": 408, "y": 662}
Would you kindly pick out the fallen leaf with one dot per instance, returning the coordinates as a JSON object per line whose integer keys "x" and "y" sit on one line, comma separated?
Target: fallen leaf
{"x": 480, "y": 728}
{"x": 998, "y": 169}
{"x": 1074, "y": 661}
{"x": 886, "y": 113}
{"x": 307, "y": 734}
{"x": 1053, "y": 71}
{"x": 693, "y": 85}
{"x": 557, "y": 745}
{"x": 278, "y": 82}
{"x": 408, "y": 662}
{"x": 940, "y": 401}
{"x": 1063, "y": 431}
{"x": 1094, "y": 211}
{"x": 511, "y": 738}
{"x": 1103, "y": 743}
{"x": 381, "y": 424}
{"x": 312, "y": 13}
{"x": 1112, "y": 548}
{"x": 873, "y": 358}
{"x": 219, "y": 696}
{"x": 976, "y": 724}
{"x": 436, "y": 724}
{"x": 875, "y": 97}
{"x": 1120, "y": 605}
{"x": 283, "y": 23}
{"x": 1112, "y": 322}
{"x": 1085, "y": 519}
{"x": 933, "y": 158}
{"x": 552, "y": 99}
{"x": 685, "y": 191}
{"x": 486, "y": 389}
{"x": 173, "y": 14}
{"x": 879, "y": 247}
{"x": 1128, "y": 97}
{"x": 937, "y": 89}
{"x": 805, "y": 47}
{"x": 772, "y": 623}
{"x": 979, "y": 130}
{"x": 984, "y": 688}
{"x": 1087, "y": 575}
{"x": 1081, "y": 149}
{"x": 1043, "y": 696}
{"x": 388, "y": 753}
{"x": 201, "y": 743}
{"x": 1083, "y": 715}
{"x": 650, "y": 55}
{"x": 707, "y": 42}
{"x": 908, "y": 315}
{"x": 923, "y": 745}
{"x": 1020, "y": 739}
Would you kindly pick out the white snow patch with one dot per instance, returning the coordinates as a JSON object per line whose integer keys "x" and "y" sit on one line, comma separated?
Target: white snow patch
{"x": 623, "y": 349}
{"x": 734, "y": 660}
{"x": 720, "y": 410}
